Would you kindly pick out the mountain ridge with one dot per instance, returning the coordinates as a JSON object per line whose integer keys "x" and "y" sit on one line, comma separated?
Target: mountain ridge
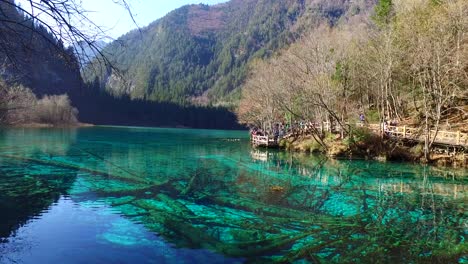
{"x": 198, "y": 54}
{"x": 30, "y": 55}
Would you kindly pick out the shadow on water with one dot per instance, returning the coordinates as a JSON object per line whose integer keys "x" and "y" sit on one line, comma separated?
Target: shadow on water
{"x": 28, "y": 189}
{"x": 209, "y": 190}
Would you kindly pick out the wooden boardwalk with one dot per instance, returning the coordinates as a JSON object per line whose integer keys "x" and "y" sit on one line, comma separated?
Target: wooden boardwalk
{"x": 443, "y": 138}
{"x": 263, "y": 141}
{"x": 447, "y": 138}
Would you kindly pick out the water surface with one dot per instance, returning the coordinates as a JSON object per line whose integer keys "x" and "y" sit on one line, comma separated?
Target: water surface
{"x": 141, "y": 195}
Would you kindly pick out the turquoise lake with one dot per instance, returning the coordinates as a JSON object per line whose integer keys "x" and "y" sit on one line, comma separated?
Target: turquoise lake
{"x": 143, "y": 195}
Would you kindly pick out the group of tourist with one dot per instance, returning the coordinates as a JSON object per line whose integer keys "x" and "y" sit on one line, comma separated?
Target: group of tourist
{"x": 278, "y": 130}
{"x": 388, "y": 126}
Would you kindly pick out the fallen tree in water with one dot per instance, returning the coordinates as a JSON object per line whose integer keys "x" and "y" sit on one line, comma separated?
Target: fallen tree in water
{"x": 348, "y": 213}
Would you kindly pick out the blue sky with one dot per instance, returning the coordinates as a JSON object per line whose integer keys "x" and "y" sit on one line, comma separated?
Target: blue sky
{"x": 116, "y": 21}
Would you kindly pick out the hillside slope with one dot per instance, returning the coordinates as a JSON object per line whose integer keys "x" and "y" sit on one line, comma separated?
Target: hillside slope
{"x": 31, "y": 56}
{"x": 199, "y": 54}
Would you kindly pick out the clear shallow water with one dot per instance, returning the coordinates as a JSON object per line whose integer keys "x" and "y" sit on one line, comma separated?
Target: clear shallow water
{"x": 137, "y": 195}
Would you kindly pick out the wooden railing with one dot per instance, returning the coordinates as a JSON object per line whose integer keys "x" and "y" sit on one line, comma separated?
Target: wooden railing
{"x": 265, "y": 141}
{"x": 442, "y": 137}
{"x": 450, "y": 138}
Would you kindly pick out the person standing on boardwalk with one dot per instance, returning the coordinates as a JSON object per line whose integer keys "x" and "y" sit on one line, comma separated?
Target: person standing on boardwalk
{"x": 362, "y": 119}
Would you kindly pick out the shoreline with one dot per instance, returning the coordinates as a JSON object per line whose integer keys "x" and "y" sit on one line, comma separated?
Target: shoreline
{"x": 382, "y": 151}
{"x": 42, "y": 125}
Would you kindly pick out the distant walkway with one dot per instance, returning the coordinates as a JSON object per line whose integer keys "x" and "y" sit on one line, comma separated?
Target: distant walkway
{"x": 444, "y": 138}
{"x": 448, "y": 138}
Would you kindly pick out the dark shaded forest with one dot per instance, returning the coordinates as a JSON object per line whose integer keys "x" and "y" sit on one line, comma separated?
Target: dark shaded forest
{"x": 40, "y": 83}
{"x": 98, "y": 107}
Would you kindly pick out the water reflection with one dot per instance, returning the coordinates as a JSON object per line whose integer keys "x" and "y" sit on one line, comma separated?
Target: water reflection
{"x": 27, "y": 189}
{"x": 29, "y": 141}
{"x": 198, "y": 189}
{"x": 70, "y": 232}
{"x": 392, "y": 177}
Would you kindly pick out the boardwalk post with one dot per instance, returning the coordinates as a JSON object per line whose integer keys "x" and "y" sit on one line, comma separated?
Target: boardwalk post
{"x": 444, "y": 138}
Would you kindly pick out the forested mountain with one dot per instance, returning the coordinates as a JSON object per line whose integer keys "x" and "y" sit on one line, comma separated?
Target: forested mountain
{"x": 31, "y": 56}
{"x": 199, "y": 54}
{"x": 86, "y": 53}
{"x": 39, "y": 76}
